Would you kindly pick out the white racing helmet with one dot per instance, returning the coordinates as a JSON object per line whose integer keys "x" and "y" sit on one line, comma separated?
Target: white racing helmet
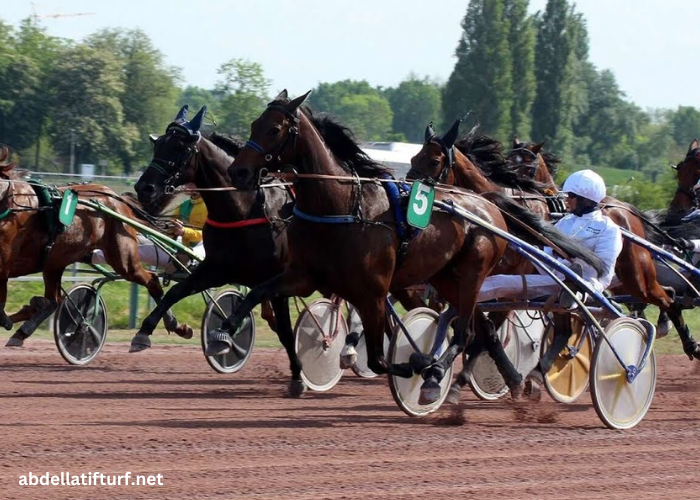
{"x": 586, "y": 184}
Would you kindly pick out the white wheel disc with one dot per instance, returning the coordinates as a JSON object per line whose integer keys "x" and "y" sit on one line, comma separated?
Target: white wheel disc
{"x": 320, "y": 359}
{"x": 421, "y": 323}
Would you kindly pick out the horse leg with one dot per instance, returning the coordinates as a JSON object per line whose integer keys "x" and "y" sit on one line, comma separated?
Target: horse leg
{"x": 43, "y": 306}
{"x": 288, "y": 284}
{"x": 285, "y": 333}
{"x": 690, "y": 345}
{"x": 5, "y": 321}
{"x": 205, "y": 276}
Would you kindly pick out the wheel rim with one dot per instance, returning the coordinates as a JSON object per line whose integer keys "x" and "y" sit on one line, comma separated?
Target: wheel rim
{"x": 320, "y": 362}
{"x": 422, "y": 325}
{"x": 243, "y": 340}
{"x": 568, "y": 377}
{"x": 620, "y": 404}
{"x": 80, "y": 327}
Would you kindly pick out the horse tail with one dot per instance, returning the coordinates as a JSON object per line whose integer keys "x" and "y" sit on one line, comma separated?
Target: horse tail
{"x": 517, "y": 216}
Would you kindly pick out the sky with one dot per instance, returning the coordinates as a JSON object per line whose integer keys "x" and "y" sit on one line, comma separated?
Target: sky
{"x": 650, "y": 45}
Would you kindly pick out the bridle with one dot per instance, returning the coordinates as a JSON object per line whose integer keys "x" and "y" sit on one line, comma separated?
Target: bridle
{"x": 291, "y": 137}
{"x": 532, "y": 167}
{"x": 448, "y": 165}
{"x": 172, "y": 170}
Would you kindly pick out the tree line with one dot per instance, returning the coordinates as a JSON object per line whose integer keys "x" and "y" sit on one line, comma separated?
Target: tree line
{"x": 519, "y": 74}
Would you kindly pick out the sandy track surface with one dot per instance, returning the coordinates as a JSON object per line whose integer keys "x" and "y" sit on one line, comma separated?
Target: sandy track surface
{"x": 234, "y": 436}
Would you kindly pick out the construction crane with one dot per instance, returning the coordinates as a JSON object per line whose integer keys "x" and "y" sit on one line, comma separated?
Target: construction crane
{"x": 57, "y": 16}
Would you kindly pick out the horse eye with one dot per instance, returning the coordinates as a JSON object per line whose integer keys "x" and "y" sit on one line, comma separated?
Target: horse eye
{"x": 434, "y": 162}
{"x": 275, "y": 130}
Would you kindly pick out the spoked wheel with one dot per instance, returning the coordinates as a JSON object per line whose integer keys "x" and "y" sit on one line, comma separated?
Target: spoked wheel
{"x": 319, "y": 354}
{"x": 567, "y": 380}
{"x": 421, "y": 323}
{"x": 216, "y": 312}
{"x": 361, "y": 366}
{"x": 621, "y": 404}
{"x": 80, "y": 325}
{"x": 484, "y": 378}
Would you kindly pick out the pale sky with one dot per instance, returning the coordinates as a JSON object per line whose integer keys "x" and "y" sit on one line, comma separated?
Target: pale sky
{"x": 650, "y": 45}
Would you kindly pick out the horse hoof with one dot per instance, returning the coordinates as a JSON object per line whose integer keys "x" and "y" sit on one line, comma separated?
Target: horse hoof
{"x": 140, "y": 342}
{"x": 453, "y": 395}
{"x": 184, "y": 331}
{"x": 348, "y": 358}
{"x": 14, "y": 342}
{"x": 7, "y": 324}
{"x": 663, "y": 328}
{"x": 217, "y": 348}
{"x": 429, "y": 392}
{"x": 532, "y": 391}
{"x": 296, "y": 388}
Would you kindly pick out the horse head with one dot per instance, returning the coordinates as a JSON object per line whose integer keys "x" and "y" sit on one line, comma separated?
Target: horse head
{"x": 436, "y": 157}
{"x": 525, "y": 158}
{"x": 173, "y": 162}
{"x": 688, "y": 171}
{"x": 272, "y": 141}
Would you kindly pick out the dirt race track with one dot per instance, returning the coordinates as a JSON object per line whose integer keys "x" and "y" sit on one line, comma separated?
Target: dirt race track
{"x": 234, "y": 436}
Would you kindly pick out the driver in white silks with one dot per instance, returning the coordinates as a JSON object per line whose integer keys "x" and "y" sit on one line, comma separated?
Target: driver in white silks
{"x": 587, "y": 225}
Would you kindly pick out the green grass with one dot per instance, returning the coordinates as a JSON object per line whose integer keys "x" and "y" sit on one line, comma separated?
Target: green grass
{"x": 617, "y": 176}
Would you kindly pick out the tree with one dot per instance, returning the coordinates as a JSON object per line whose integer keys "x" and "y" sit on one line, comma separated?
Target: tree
{"x": 521, "y": 40}
{"x": 243, "y": 94}
{"x": 85, "y": 107}
{"x": 561, "y": 41}
{"x": 327, "y": 97}
{"x": 482, "y": 80}
{"x": 685, "y": 123}
{"x": 150, "y": 87}
{"x": 414, "y": 103}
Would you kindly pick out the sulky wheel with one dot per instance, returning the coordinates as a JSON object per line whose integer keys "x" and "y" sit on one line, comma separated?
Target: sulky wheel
{"x": 223, "y": 305}
{"x": 567, "y": 380}
{"x": 319, "y": 336}
{"x": 484, "y": 379}
{"x": 621, "y": 404}
{"x": 421, "y": 323}
{"x": 80, "y": 325}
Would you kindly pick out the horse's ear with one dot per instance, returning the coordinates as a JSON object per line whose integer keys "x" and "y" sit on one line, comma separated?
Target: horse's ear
{"x": 516, "y": 141}
{"x": 182, "y": 114}
{"x": 196, "y": 122}
{"x": 674, "y": 167}
{"x": 692, "y": 146}
{"x": 537, "y": 147}
{"x": 295, "y": 103}
{"x": 429, "y": 132}
{"x": 282, "y": 96}
{"x": 451, "y": 136}
{"x": 153, "y": 138}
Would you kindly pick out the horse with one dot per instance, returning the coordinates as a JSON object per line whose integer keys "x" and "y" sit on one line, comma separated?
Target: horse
{"x": 687, "y": 175}
{"x": 635, "y": 266}
{"x": 344, "y": 238}
{"x": 245, "y": 237}
{"x": 31, "y": 241}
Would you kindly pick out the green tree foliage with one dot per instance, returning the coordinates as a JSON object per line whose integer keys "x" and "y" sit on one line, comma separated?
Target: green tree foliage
{"x": 482, "y": 80}
{"x": 685, "y": 124}
{"x": 149, "y": 87}
{"x": 85, "y": 107}
{"x": 414, "y": 102}
{"x": 358, "y": 105}
{"x": 521, "y": 39}
{"x": 561, "y": 42}
{"x": 242, "y": 93}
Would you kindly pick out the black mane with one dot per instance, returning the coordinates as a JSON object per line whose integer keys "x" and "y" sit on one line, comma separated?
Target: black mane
{"x": 550, "y": 159}
{"x": 230, "y": 144}
{"x": 341, "y": 141}
{"x": 487, "y": 154}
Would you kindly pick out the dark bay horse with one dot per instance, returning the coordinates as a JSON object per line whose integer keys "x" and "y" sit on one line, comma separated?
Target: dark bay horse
{"x": 30, "y": 242}
{"x": 635, "y": 266}
{"x": 245, "y": 234}
{"x": 344, "y": 237}
{"x": 687, "y": 175}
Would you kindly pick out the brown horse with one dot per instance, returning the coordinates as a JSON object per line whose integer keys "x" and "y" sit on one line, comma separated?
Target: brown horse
{"x": 30, "y": 242}
{"x": 635, "y": 266}
{"x": 687, "y": 175}
{"x": 344, "y": 239}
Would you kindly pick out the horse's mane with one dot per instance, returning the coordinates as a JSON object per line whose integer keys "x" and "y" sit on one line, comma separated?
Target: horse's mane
{"x": 230, "y": 144}
{"x": 487, "y": 154}
{"x": 341, "y": 141}
{"x": 8, "y": 164}
{"x": 671, "y": 222}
